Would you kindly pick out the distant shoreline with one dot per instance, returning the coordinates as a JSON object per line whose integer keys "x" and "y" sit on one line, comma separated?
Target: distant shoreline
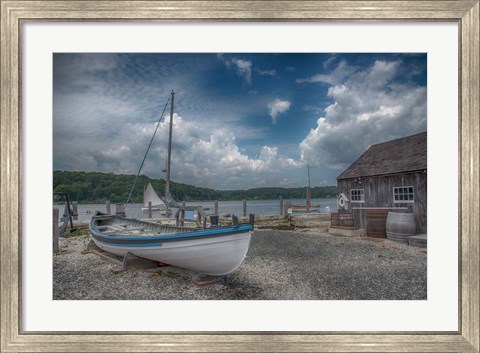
{"x": 97, "y": 187}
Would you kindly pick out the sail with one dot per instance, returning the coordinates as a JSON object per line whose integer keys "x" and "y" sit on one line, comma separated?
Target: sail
{"x": 170, "y": 201}
{"x": 150, "y": 195}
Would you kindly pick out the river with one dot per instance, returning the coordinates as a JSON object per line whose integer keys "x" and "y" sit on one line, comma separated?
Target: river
{"x": 257, "y": 207}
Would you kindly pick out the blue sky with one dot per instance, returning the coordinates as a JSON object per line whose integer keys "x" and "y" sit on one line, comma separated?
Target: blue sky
{"x": 241, "y": 120}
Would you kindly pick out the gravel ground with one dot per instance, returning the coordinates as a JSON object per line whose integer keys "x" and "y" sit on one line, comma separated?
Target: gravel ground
{"x": 304, "y": 263}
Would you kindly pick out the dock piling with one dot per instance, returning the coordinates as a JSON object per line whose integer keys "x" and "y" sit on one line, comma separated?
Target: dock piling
{"x": 285, "y": 209}
{"x": 120, "y": 209}
{"x": 182, "y": 215}
{"x": 107, "y": 206}
{"x": 75, "y": 210}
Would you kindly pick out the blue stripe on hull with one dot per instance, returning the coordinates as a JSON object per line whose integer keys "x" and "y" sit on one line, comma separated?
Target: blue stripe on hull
{"x": 150, "y": 240}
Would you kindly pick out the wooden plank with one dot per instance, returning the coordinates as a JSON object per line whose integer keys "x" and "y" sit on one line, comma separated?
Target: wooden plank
{"x": 107, "y": 256}
{"x": 131, "y": 261}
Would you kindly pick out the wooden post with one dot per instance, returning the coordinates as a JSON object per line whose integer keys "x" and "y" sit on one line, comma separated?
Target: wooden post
{"x": 215, "y": 207}
{"x": 308, "y": 198}
{"x": 120, "y": 209}
{"x": 244, "y": 208}
{"x": 281, "y": 207}
{"x": 149, "y": 209}
{"x": 285, "y": 209}
{"x": 107, "y": 206}
{"x": 182, "y": 214}
{"x": 56, "y": 216}
{"x": 75, "y": 210}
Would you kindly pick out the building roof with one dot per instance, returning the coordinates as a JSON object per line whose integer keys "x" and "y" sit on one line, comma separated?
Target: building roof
{"x": 405, "y": 154}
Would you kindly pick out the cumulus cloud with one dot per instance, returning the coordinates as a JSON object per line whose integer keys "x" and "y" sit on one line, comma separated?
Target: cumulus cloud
{"x": 200, "y": 156}
{"x": 106, "y": 106}
{"x": 223, "y": 164}
{"x": 369, "y": 106}
{"x": 242, "y": 67}
{"x": 327, "y": 62}
{"x": 342, "y": 71}
{"x": 276, "y": 107}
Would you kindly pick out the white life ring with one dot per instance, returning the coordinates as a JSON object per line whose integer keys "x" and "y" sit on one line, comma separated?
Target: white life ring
{"x": 342, "y": 201}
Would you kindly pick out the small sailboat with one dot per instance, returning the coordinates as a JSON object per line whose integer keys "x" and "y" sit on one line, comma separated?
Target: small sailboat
{"x": 308, "y": 207}
{"x": 214, "y": 250}
{"x": 149, "y": 195}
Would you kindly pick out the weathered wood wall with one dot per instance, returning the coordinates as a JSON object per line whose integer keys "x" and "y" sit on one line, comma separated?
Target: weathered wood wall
{"x": 378, "y": 192}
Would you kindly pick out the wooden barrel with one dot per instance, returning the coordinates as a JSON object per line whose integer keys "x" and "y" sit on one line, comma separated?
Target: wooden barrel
{"x": 400, "y": 226}
{"x": 341, "y": 219}
{"x": 375, "y": 222}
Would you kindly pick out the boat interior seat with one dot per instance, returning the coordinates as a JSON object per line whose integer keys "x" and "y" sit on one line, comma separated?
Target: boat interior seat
{"x": 135, "y": 228}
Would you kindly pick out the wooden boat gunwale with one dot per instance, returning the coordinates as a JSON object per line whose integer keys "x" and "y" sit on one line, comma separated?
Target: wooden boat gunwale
{"x": 177, "y": 234}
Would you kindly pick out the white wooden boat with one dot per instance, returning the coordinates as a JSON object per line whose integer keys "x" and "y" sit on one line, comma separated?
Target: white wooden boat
{"x": 216, "y": 250}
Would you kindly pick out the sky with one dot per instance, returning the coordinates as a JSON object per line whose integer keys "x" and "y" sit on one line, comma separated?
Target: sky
{"x": 241, "y": 120}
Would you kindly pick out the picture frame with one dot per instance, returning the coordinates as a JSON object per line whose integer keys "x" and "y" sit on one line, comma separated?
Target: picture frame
{"x": 464, "y": 13}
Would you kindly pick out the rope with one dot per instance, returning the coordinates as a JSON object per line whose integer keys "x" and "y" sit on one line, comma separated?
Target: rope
{"x": 146, "y": 153}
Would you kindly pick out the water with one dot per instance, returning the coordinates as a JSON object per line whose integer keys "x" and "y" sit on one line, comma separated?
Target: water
{"x": 257, "y": 207}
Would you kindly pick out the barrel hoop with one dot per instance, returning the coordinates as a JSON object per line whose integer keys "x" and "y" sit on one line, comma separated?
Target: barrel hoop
{"x": 399, "y": 234}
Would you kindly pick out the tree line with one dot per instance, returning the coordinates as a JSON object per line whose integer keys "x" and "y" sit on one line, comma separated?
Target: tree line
{"x": 96, "y": 187}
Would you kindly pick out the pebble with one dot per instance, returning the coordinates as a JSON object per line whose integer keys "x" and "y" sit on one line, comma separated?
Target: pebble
{"x": 305, "y": 264}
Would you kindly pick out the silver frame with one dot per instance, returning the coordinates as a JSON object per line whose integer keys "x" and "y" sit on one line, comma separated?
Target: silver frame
{"x": 14, "y": 13}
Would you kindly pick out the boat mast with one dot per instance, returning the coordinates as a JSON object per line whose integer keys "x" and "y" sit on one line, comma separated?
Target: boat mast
{"x": 169, "y": 155}
{"x": 308, "y": 188}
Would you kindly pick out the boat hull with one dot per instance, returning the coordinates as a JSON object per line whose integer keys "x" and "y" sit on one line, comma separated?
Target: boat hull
{"x": 211, "y": 251}
{"x": 145, "y": 209}
{"x": 163, "y": 211}
{"x": 303, "y": 209}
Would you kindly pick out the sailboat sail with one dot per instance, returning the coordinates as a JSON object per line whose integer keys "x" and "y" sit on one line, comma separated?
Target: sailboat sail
{"x": 149, "y": 195}
{"x": 170, "y": 201}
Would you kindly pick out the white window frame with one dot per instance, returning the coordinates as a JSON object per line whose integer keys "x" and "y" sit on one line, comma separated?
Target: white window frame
{"x": 407, "y": 193}
{"x": 362, "y": 195}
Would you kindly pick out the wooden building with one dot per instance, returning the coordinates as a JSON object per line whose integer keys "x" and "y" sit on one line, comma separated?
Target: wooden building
{"x": 389, "y": 176}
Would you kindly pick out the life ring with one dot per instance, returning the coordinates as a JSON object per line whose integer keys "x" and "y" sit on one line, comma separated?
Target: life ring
{"x": 342, "y": 201}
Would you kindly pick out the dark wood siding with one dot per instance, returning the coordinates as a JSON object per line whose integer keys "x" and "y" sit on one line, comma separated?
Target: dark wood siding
{"x": 378, "y": 192}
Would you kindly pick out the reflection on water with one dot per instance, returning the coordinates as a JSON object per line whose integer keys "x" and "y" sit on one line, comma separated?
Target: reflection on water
{"x": 257, "y": 207}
